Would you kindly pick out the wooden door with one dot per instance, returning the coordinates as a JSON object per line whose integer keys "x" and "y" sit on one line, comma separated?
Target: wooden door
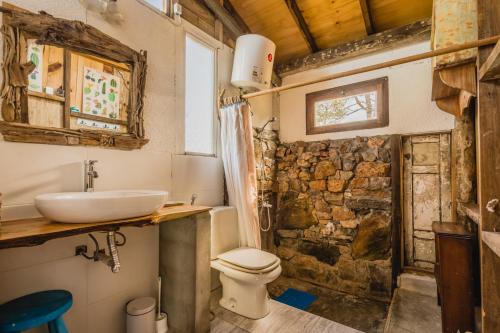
{"x": 426, "y": 195}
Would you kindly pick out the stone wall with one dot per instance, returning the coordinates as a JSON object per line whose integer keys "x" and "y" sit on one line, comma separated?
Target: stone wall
{"x": 333, "y": 224}
{"x": 266, "y": 143}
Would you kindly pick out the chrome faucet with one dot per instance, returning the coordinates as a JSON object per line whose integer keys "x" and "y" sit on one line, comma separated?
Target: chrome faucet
{"x": 90, "y": 175}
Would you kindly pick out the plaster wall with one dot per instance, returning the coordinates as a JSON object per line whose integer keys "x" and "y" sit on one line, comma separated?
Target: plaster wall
{"x": 410, "y": 106}
{"x": 28, "y": 170}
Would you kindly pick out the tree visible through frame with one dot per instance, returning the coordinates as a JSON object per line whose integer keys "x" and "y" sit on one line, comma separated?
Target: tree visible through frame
{"x": 356, "y": 106}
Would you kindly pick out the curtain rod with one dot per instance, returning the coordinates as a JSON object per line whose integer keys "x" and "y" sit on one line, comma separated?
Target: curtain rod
{"x": 400, "y": 61}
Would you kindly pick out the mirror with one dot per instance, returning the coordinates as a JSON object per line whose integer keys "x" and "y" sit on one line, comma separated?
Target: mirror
{"x": 65, "y": 82}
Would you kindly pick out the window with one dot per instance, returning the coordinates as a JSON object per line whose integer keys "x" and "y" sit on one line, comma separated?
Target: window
{"x": 161, "y": 5}
{"x": 356, "y": 106}
{"x": 199, "y": 102}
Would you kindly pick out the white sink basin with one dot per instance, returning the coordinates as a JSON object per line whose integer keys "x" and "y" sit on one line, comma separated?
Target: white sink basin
{"x": 92, "y": 207}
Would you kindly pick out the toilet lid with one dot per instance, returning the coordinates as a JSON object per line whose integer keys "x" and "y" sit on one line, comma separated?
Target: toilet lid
{"x": 251, "y": 271}
{"x": 249, "y": 258}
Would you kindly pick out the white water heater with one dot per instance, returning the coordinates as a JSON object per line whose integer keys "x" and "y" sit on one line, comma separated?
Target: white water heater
{"x": 253, "y": 62}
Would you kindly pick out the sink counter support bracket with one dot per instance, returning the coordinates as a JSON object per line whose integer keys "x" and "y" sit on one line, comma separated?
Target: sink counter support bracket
{"x": 185, "y": 269}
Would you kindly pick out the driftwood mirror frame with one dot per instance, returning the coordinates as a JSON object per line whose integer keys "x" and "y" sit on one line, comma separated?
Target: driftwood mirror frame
{"x": 72, "y": 36}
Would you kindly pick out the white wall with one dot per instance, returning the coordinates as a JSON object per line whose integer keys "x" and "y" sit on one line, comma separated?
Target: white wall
{"x": 410, "y": 106}
{"x": 28, "y": 169}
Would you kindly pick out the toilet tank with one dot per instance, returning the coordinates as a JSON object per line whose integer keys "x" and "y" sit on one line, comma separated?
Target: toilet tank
{"x": 224, "y": 234}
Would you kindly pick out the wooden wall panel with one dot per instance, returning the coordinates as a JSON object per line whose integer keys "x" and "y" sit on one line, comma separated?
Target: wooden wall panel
{"x": 333, "y": 22}
{"x": 45, "y": 112}
{"x": 488, "y": 135}
{"x": 271, "y": 18}
{"x": 78, "y": 62}
{"x": 454, "y": 22}
{"x": 388, "y": 14}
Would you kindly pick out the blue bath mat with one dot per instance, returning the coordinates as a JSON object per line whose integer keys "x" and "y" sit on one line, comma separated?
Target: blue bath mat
{"x": 296, "y": 298}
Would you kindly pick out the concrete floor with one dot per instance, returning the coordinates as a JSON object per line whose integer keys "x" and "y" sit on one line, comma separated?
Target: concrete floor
{"x": 356, "y": 312}
{"x": 413, "y": 312}
{"x": 282, "y": 319}
{"x": 413, "y": 309}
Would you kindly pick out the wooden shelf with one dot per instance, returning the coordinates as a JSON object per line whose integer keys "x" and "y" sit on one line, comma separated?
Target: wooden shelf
{"x": 31, "y": 232}
{"x": 490, "y": 70}
{"x": 47, "y": 96}
{"x": 98, "y": 118}
{"x": 471, "y": 210}
{"x": 492, "y": 239}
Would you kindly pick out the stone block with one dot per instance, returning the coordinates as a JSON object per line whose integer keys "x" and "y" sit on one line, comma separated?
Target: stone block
{"x": 341, "y": 213}
{"x": 346, "y": 175}
{"x": 334, "y": 198}
{"x": 286, "y": 233}
{"x": 285, "y": 253}
{"x": 295, "y": 214}
{"x": 373, "y": 240}
{"x": 364, "y": 199}
{"x": 304, "y": 175}
{"x": 324, "y": 169}
{"x": 376, "y": 141}
{"x": 317, "y": 185}
{"x": 379, "y": 183}
{"x": 349, "y": 224}
{"x": 303, "y": 163}
{"x": 370, "y": 155}
{"x": 348, "y": 162}
{"x": 306, "y": 156}
{"x": 336, "y": 185}
{"x": 326, "y": 253}
{"x": 373, "y": 169}
{"x": 359, "y": 182}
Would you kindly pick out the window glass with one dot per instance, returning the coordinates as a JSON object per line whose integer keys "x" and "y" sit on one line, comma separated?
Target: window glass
{"x": 346, "y": 110}
{"x": 159, "y": 4}
{"x": 199, "y": 97}
{"x": 355, "y": 106}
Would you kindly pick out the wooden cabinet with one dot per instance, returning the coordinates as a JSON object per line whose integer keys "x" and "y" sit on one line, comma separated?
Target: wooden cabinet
{"x": 456, "y": 263}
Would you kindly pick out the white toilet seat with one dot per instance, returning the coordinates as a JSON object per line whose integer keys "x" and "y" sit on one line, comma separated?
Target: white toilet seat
{"x": 249, "y": 258}
{"x": 238, "y": 274}
{"x": 250, "y": 271}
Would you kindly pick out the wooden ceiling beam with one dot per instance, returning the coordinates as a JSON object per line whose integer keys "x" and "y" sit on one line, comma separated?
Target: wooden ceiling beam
{"x": 382, "y": 41}
{"x": 225, "y": 17}
{"x": 234, "y": 24}
{"x": 302, "y": 24}
{"x": 229, "y": 7}
{"x": 365, "y": 10}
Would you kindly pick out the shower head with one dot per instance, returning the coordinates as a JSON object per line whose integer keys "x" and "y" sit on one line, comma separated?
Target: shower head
{"x": 272, "y": 120}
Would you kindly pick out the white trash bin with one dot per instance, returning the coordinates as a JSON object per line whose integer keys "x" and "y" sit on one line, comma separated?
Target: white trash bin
{"x": 141, "y": 315}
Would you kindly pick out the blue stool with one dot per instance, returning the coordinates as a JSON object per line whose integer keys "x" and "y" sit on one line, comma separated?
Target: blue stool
{"x": 45, "y": 307}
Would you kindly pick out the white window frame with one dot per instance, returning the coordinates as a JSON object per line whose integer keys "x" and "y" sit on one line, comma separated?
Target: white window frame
{"x": 208, "y": 41}
{"x": 168, "y": 4}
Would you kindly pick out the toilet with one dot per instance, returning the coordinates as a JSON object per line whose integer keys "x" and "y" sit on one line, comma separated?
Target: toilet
{"x": 244, "y": 271}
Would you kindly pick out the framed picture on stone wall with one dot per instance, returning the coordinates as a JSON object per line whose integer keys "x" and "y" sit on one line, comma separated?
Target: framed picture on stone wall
{"x": 356, "y": 106}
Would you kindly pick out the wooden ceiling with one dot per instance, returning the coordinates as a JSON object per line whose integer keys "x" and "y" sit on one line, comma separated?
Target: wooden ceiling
{"x": 301, "y": 27}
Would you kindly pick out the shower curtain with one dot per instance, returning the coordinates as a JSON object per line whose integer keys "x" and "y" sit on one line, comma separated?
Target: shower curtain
{"x": 239, "y": 168}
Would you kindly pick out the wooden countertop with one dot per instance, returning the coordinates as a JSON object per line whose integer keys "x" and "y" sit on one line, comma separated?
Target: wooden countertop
{"x": 31, "y": 232}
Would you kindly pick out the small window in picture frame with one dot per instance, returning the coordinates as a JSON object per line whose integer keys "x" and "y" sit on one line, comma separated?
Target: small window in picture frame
{"x": 356, "y": 106}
